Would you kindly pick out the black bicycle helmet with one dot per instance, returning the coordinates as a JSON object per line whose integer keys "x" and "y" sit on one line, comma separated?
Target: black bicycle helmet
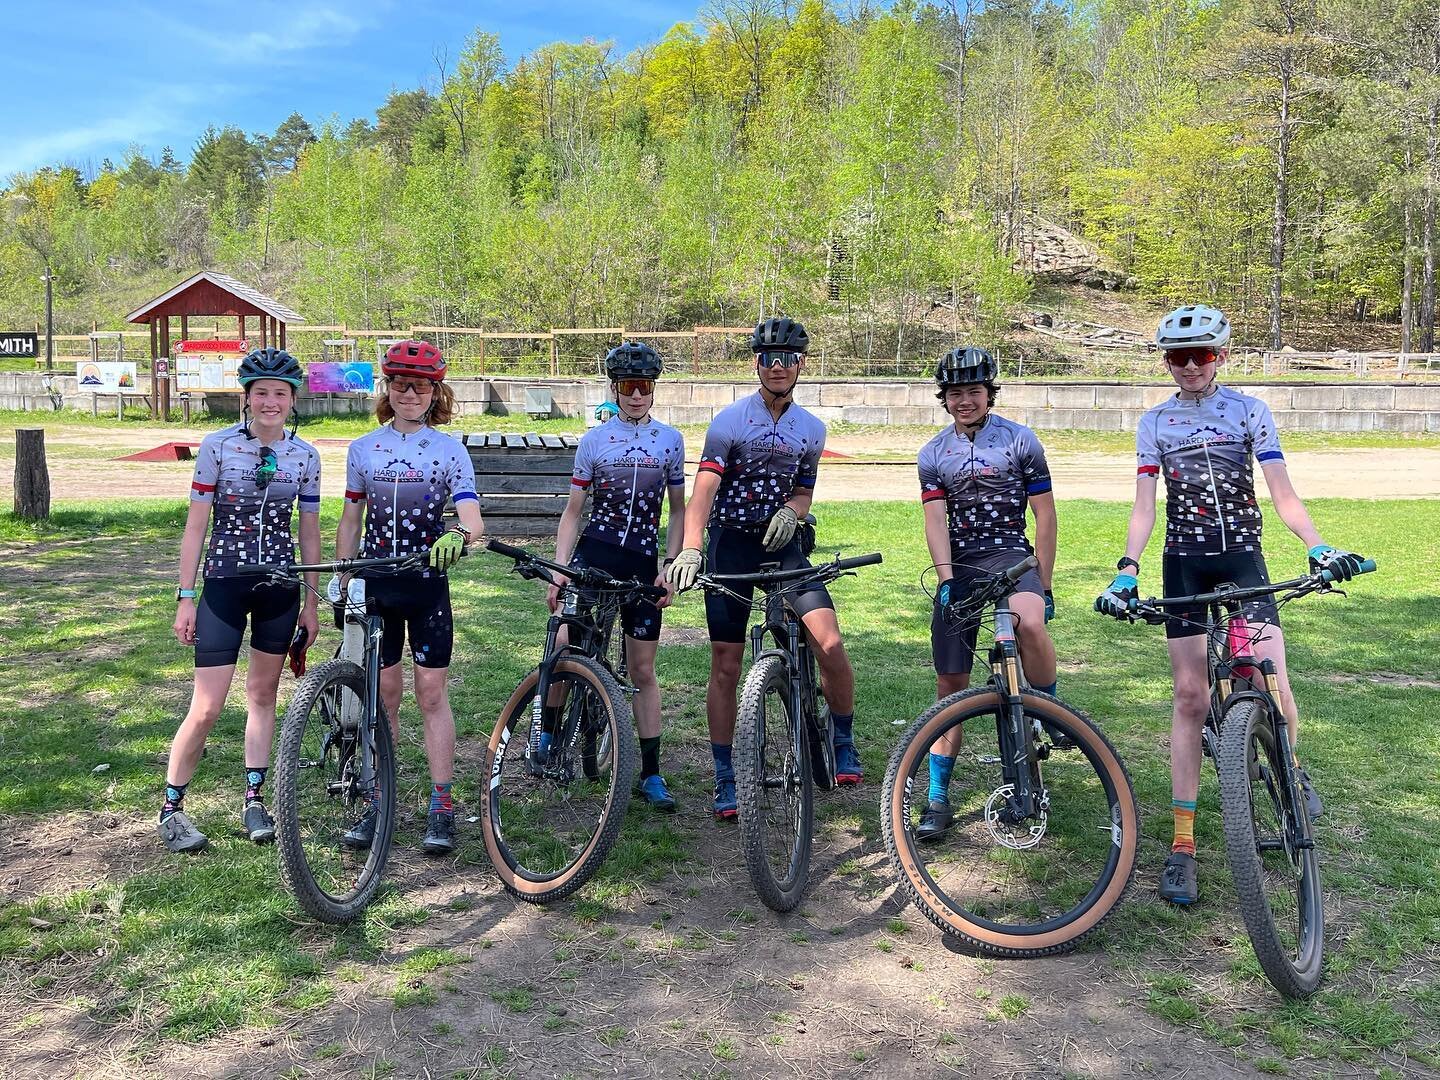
{"x": 271, "y": 363}
{"x": 633, "y": 360}
{"x": 780, "y": 334}
{"x": 966, "y": 365}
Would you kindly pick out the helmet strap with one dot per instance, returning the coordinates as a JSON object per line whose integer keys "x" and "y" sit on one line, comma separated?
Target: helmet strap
{"x": 245, "y": 417}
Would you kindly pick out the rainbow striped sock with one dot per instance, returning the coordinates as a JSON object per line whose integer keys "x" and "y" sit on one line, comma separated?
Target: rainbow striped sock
{"x": 1184, "y": 811}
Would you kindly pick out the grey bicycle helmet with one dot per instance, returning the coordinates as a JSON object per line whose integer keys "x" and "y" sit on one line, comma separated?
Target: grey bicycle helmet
{"x": 633, "y": 360}
{"x": 270, "y": 363}
{"x": 966, "y": 364}
{"x": 780, "y": 334}
{"x": 1193, "y": 326}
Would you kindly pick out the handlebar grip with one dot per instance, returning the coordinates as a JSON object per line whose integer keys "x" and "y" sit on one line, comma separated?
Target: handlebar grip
{"x": 502, "y": 548}
{"x": 1367, "y": 566}
{"x": 651, "y": 592}
{"x": 860, "y": 560}
{"x": 257, "y": 568}
{"x": 1020, "y": 569}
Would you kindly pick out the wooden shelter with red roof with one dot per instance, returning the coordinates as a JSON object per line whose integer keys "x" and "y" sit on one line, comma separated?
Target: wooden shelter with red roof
{"x": 206, "y": 293}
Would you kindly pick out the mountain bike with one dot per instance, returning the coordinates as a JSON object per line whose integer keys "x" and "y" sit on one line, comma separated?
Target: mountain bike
{"x": 562, "y": 758}
{"x": 783, "y": 734}
{"x": 1269, "y": 838}
{"x": 336, "y": 760}
{"x": 1043, "y": 840}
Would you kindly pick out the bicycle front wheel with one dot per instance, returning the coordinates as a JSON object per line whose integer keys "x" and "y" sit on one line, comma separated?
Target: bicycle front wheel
{"x": 550, "y": 819}
{"x": 773, "y": 786}
{"x": 1004, "y": 884}
{"x": 1271, "y": 853}
{"x": 320, "y": 797}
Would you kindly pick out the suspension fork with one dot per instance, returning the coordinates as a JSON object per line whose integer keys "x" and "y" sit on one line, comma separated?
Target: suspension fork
{"x": 1017, "y": 747}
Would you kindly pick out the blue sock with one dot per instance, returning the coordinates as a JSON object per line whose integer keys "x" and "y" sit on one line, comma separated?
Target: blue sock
{"x": 1048, "y": 689}
{"x": 844, "y": 723}
{"x": 941, "y": 767}
{"x": 724, "y": 770}
{"x": 440, "y": 798}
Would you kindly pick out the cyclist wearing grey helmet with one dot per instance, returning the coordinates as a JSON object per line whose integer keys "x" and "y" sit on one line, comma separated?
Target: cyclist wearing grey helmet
{"x": 248, "y": 478}
{"x": 628, "y": 467}
{"x": 1203, "y": 440}
{"x": 977, "y": 478}
{"x": 756, "y": 481}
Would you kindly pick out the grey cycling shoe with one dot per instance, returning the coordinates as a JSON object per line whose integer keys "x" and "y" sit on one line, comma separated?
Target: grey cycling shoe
{"x": 439, "y": 833}
{"x": 1179, "y": 883}
{"x": 180, "y": 833}
{"x": 935, "y": 822}
{"x": 361, "y": 835}
{"x": 259, "y": 825}
{"x": 1313, "y": 806}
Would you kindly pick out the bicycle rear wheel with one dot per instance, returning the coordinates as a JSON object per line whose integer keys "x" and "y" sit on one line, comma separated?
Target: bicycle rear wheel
{"x": 1271, "y": 853}
{"x": 773, "y": 786}
{"x": 549, "y": 824}
{"x": 1034, "y": 887}
{"x": 319, "y": 795}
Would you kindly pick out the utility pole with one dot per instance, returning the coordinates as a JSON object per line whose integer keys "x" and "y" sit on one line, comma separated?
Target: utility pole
{"x": 49, "y": 320}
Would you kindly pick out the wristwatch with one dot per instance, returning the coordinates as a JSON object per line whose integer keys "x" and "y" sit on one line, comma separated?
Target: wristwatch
{"x": 1127, "y": 561}
{"x": 185, "y": 594}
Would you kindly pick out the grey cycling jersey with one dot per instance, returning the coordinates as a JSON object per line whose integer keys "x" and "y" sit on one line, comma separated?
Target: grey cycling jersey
{"x": 985, "y": 482}
{"x": 251, "y": 521}
{"x": 1203, "y": 449}
{"x": 404, "y": 481}
{"x": 627, "y": 468}
{"x": 761, "y": 460}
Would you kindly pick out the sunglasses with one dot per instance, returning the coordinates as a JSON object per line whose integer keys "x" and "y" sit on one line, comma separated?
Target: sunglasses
{"x": 1183, "y": 358}
{"x": 626, "y": 387}
{"x": 265, "y": 471}
{"x": 775, "y": 358}
{"x": 418, "y": 387}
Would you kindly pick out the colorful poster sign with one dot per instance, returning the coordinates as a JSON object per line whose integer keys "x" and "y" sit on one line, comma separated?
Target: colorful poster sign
{"x": 108, "y": 377}
{"x": 358, "y": 378}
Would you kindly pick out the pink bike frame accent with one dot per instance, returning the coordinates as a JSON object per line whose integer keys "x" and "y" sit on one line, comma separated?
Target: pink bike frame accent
{"x": 1237, "y": 640}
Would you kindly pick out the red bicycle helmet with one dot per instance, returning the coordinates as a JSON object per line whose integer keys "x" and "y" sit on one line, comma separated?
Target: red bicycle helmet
{"x": 418, "y": 358}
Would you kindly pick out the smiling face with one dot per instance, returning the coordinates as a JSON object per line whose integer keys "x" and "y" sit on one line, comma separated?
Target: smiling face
{"x": 777, "y": 378}
{"x": 270, "y": 400}
{"x": 967, "y": 404}
{"x": 634, "y": 396}
{"x": 410, "y": 397}
{"x": 1193, "y": 369}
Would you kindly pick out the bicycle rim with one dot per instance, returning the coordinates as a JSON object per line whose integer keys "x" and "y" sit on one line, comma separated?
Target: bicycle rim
{"x": 773, "y": 787}
{"x": 1277, "y": 881}
{"x": 1004, "y": 885}
{"x": 320, "y": 796}
{"x": 549, "y": 823}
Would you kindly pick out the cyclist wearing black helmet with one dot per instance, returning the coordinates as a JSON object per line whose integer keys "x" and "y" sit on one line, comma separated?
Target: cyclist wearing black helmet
{"x": 248, "y": 478}
{"x": 976, "y": 479}
{"x": 628, "y": 466}
{"x": 756, "y": 481}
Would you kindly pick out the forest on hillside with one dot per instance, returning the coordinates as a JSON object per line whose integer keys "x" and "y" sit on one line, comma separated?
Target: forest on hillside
{"x": 858, "y": 165}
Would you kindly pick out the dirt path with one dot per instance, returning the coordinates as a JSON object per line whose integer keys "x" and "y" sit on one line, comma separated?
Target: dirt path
{"x": 83, "y": 466}
{"x": 690, "y": 978}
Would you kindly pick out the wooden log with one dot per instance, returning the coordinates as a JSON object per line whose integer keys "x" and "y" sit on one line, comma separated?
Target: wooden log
{"x": 544, "y": 505}
{"x": 519, "y": 525}
{"x": 486, "y": 460}
{"x": 522, "y": 483}
{"x": 32, "y": 476}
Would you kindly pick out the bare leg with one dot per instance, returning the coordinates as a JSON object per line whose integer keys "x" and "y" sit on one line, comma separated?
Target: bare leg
{"x": 261, "y": 684}
{"x": 208, "y": 697}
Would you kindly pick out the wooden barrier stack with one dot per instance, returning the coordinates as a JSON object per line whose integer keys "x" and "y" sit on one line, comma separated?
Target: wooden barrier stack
{"x": 523, "y": 481}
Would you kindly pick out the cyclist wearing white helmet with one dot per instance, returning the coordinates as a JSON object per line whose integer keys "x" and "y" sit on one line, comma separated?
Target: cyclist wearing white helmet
{"x": 1203, "y": 439}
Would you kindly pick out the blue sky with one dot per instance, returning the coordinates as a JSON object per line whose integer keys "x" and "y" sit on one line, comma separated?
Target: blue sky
{"x": 83, "y": 81}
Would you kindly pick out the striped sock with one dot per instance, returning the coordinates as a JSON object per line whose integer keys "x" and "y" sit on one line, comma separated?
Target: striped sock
{"x": 941, "y": 767}
{"x": 440, "y": 798}
{"x": 1184, "y": 812}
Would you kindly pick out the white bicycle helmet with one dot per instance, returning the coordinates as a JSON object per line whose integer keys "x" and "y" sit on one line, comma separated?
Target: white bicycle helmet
{"x": 1194, "y": 325}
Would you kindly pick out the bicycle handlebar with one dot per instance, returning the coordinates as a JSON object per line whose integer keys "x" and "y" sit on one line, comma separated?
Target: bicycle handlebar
{"x": 587, "y": 576}
{"x": 773, "y": 577}
{"x": 339, "y": 566}
{"x": 1153, "y": 610}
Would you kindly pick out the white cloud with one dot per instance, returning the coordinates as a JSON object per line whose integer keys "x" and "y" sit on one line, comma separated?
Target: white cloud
{"x": 287, "y": 30}
{"x": 145, "y": 119}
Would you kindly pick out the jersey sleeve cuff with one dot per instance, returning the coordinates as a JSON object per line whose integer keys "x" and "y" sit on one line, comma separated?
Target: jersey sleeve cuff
{"x": 1038, "y": 487}
{"x": 461, "y": 496}
{"x": 1148, "y": 470}
{"x": 578, "y": 482}
{"x": 1270, "y": 455}
{"x": 712, "y": 466}
{"x": 932, "y": 495}
{"x": 355, "y": 496}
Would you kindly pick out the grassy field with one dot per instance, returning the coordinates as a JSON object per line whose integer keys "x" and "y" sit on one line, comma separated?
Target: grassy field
{"x": 164, "y": 950}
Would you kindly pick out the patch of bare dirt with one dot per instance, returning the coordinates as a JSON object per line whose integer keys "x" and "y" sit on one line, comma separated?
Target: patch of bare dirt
{"x": 1382, "y": 678}
{"x": 72, "y": 851}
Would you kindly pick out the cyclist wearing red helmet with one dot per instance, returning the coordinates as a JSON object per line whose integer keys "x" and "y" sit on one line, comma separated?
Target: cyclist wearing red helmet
{"x": 398, "y": 479}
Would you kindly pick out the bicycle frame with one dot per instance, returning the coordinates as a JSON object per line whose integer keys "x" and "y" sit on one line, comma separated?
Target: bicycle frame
{"x": 784, "y": 627}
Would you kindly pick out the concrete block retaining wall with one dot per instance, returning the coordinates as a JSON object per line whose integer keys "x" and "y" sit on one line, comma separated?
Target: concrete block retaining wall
{"x": 1094, "y": 406}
